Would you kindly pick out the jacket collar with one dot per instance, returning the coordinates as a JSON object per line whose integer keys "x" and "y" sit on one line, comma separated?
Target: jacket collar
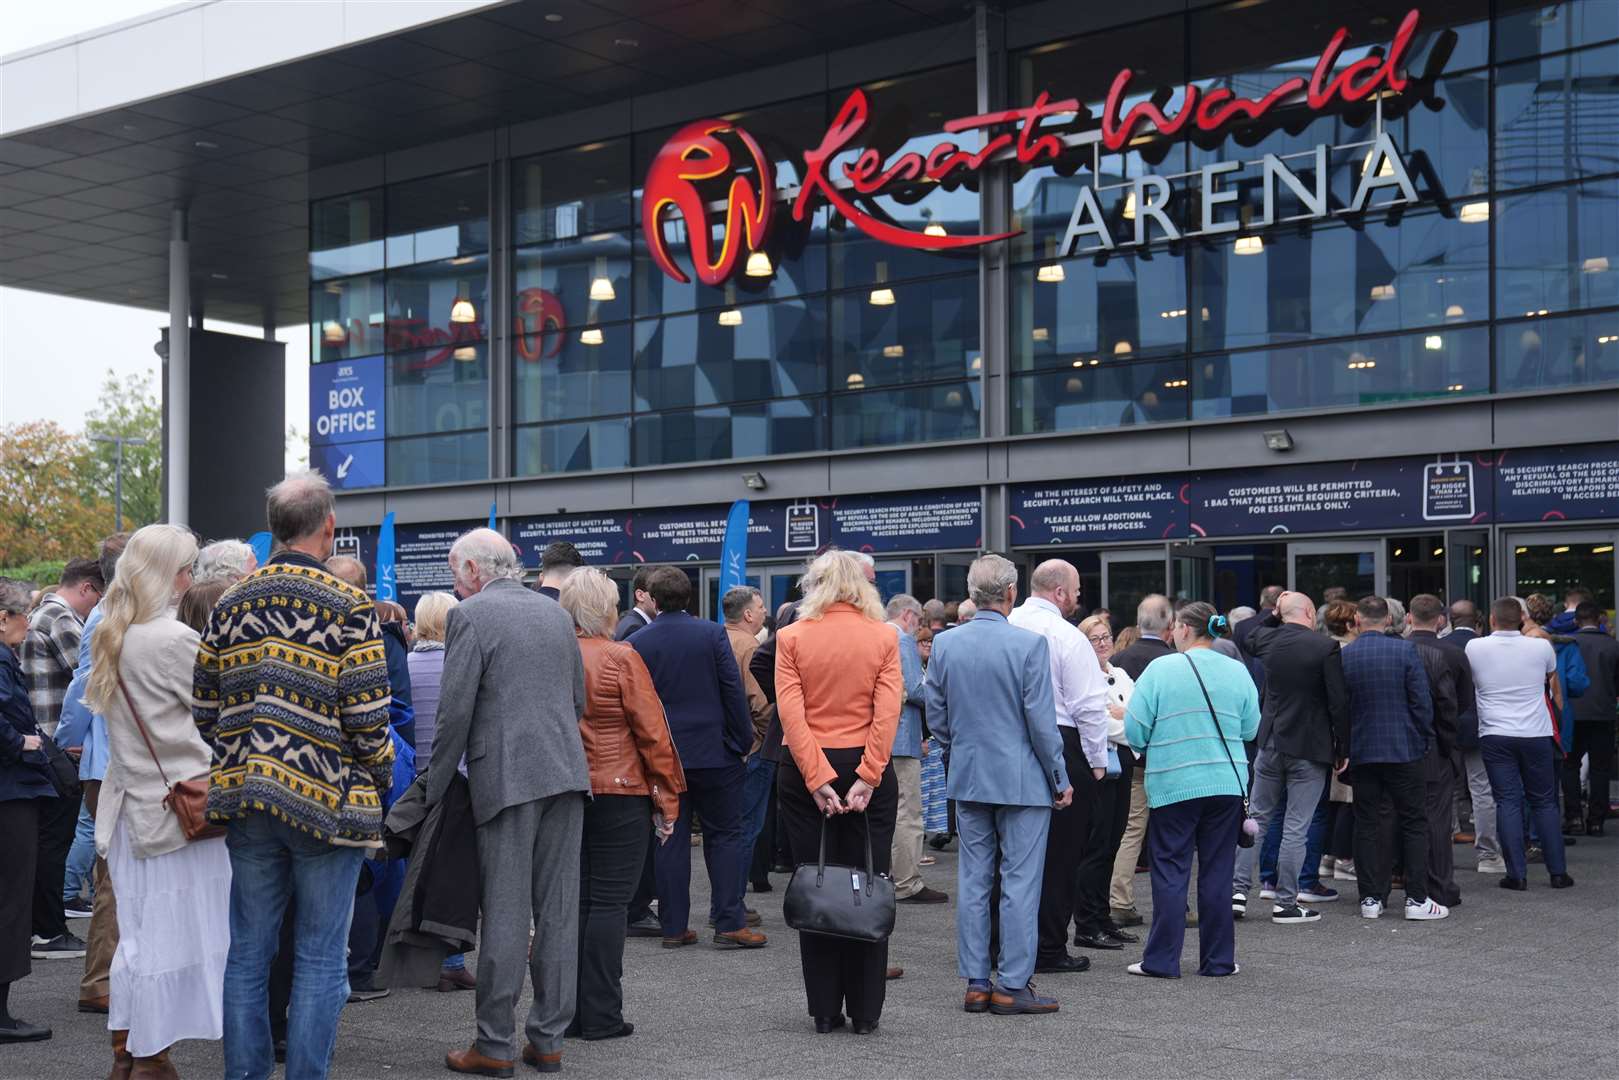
{"x": 992, "y": 616}
{"x": 1425, "y": 633}
{"x": 289, "y": 557}
{"x": 1043, "y": 604}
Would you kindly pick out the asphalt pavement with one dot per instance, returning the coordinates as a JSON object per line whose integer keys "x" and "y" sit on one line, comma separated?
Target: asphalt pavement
{"x": 1511, "y": 985}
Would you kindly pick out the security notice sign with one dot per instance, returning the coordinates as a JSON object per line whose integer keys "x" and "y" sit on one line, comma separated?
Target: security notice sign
{"x": 347, "y": 421}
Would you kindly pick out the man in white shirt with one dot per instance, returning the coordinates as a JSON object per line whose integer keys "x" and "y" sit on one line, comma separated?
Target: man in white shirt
{"x": 1080, "y": 691}
{"x": 1515, "y": 739}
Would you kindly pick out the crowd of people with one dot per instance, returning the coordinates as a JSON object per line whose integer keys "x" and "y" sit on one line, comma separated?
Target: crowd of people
{"x": 272, "y": 795}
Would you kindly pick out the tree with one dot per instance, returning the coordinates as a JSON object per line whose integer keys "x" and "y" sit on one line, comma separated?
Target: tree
{"x": 48, "y": 505}
{"x": 127, "y": 409}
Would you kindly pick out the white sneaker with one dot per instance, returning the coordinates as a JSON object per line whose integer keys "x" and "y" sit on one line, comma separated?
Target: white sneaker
{"x": 1325, "y": 870}
{"x": 1371, "y": 908}
{"x": 1267, "y": 892}
{"x": 1343, "y": 870}
{"x": 1492, "y": 866}
{"x": 1425, "y": 910}
{"x": 1239, "y": 905}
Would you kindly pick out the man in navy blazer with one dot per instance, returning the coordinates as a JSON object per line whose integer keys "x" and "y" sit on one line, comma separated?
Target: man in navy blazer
{"x": 990, "y": 705}
{"x": 697, "y": 679}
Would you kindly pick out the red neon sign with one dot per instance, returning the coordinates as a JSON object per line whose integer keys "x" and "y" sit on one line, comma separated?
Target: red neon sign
{"x": 545, "y": 308}
{"x": 695, "y": 153}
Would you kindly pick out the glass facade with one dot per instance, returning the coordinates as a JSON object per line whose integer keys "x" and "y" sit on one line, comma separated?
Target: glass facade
{"x": 1503, "y": 276}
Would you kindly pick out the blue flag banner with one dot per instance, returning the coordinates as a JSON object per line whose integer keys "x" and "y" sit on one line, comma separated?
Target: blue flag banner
{"x": 386, "y": 589}
{"x": 261, "y": 544}
{"x": 734, "y": 552}
{"x": 492, "y": 524}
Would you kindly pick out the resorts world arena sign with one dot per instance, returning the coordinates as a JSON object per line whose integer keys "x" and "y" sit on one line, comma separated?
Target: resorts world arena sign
{"x": 702, "y": 157}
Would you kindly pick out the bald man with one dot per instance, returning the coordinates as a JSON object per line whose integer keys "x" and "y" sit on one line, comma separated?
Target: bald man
{"x": 1303, "y": 734}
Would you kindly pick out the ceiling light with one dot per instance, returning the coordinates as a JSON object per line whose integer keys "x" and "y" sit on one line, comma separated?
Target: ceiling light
{"x": 1074, "y": 384}
{"x": 462, "y": 311}
{"x": 204, "y": 144}
{"x": 626, "y": 42}
{"x": 1383, "y": 292}
{"x": 759, "y": 265}
{"x": 731, "y": 317}
{"x": 1595, "y": 265}
{"x": 1205, "y": 314}
{"x": 1080, "y": 362}
{"x": 601, "y": 289}
{"x": 1605, "y": 338}
{"x": 953, "y": 398}
{"x": 1050, "y": 273}
{"x": 1433, "y": 342}
{"x": 977, "y": 364}
{"x": 1563, "y": 550}
{"x": 1248, "y": 245}
{"x": 855, "y": 380}
{"x": 882, "y": 297}
{"x": 1438, "y": 551}
{"x": 754, "y": 481}
{"x": 1522, "y": 551}
{"x": 552, "y": 17}
{"x": 591, "y": 336}
{"x": 1455, "y": 311}
{"x": 1454, "y": 387}
{"x": 1278, "y": 440}
{"x": 1040, "y": 333}
{"x": 1123, "y": 348}
{"x": 1474, "y": 213}
{"x": 893, "y": 352}
{"x": 1174, "y": 384}
{"x": 1130, "y": 206}
{"x": 1361, "y": 364}
{"x": 331, "y": 332}
{"x": 1398, "y": 552}
{"x": 1095, "y": 361}
{"x": 465, "y": 354}
{"x": 933, "y": 228}
{"x": 463, "y": 260}
{"x": 1602, "y": 549}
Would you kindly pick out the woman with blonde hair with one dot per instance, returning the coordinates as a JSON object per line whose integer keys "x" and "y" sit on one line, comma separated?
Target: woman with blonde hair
{"x": 838, "y": 694}
{"x": 167, "y": 980}
{"x": 635, "y": 786}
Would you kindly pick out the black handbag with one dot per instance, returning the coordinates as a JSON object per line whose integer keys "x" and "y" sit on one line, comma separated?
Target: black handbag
{"x": 63, "y": 770}
{"x": 841, "y": 901}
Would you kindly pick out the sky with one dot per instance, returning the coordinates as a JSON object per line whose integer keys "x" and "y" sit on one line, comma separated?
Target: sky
{"x": 46, "y": 374}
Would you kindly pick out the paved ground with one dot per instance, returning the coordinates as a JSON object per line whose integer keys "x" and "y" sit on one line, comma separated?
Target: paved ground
{"x": 1512, "y": 985}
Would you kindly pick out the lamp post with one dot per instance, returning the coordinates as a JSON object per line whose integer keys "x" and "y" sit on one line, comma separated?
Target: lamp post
{"x": 118, "y": 442}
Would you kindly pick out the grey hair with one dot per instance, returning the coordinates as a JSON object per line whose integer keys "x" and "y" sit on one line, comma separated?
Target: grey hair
{"x": 1153, "y": 614}
{"x": 1396, "y": 615}
{"x": 736, "y": 600}
{"x": 901, "y": 603}
{"x": 489, "y": 551}
{"x": 933, "y": 609}
{"x": 590, "y": 596}
{"x": 15, "y": 596}
{"x": 966, "y": 611}
{"x": 224, "y": 560}
{"x": 988, "y": 579}
{"x": 298, "y": 506}
{"x": 1237, "y": 614}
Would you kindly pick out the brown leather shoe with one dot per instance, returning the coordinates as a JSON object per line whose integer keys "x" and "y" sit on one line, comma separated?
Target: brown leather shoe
{"x": 460, "y": 979}
{"x": 93, "y": 1005}
{"x": 1463, "y": 837}
{"x": 122, "y": 1063}
{"x": 546, "y": 1063}
{"x": 740, "y": 939}
{"x": 156, "y": 1067}
{"x": 687, "y": 937}
{"x": 470, "y": 1061}
{"x": 977, "y": 1001}
{"x": 896, "y": 973}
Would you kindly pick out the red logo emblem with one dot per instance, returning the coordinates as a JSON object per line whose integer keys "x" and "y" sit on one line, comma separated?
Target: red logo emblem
{"x": 694, "y": 154}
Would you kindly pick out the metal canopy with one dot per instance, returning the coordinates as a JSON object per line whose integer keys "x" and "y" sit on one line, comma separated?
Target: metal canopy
{"x": 85, "y": 204}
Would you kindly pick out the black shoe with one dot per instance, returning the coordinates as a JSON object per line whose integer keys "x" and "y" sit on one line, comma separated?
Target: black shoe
{"x": 1119, "y": 934}
{"x": 939, "y": 841}
{"x": 825, "y": 1025}
{"x": 23, "y": 1031}
{"x": 1066, "y": 964}
{"x": 865, "y": 1027}
{"x": 623, "y": 1030}
{"x": 1593, "y": 827}
{"x": 1568, "y": 841}
{"x": 1562, "y": 881}
{"x": 64, "y": 946}
{"x": 763, "y": 886}
{"x": 281, "y": 1051}
{"x": 782, "y": 868}
{"x": 925, "y": 895}
{"x": 1097, "y": 941}
{"x": 1516, "y": 884}
{"x": 647, "y": 926}
{"x": 366, "y": 991}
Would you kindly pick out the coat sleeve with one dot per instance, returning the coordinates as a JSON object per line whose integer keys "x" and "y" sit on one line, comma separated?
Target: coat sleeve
{"x": 458, "y": 692}
{"x": 795, "y": 728}
{"x": 938, "y": 706}
{"x": 650, "y": 729}
{"x": 1446, "y": 704}
{"x": 1418, "y": 694}
{"x": 738, "y": 722}
{"x": 1040, "y": 715}
{"x": 1332, "y": 673}
{"x": 886, "y": 699}
{"x": 1141, "y": 714}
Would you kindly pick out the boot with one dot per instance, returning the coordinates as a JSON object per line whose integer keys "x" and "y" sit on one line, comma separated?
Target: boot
{"x": 122, "y": 1063}
{"x": 156, "y": 1067}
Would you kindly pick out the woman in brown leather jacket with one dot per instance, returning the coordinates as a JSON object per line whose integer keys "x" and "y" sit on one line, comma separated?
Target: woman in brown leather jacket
{"x": 635, "y": 781}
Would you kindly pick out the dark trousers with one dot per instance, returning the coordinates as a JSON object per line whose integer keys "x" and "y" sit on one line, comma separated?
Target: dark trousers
{"x": 57, "y": 820}
{"x": 1065, "y": 848}
{"x": 841, "y": 976}
{"x": 1440, "y": 801}
{"x": 365, "y": 929}
{"x": 1523, "y": 772}
{"x": 1109, "y": 812}
{"x": 1341, "y": 831}
{"x": 617, "y": 830}
{"x": 19, "y": 854}
{"x": 764, "y": 848}
{"x": 1594, "y": 738}
{"x": 1405, "y": 784}
{"x": 716, "y": 796}
{"x": 1208, "y": 827}
{"x": 646, "y": 889}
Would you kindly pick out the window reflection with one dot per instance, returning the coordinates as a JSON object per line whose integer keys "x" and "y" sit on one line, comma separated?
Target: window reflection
{"x": 573, "y": 447}
{"x": 1554, "y": 118}
{"x": 1540, "y": 353}
{"x": 1095, "y": 393}
{"x": 439, "y": 217}
{"x": 714, "y": 434}
{"x": 1558, "y": 249}
{"x": 925, "y": 330}
{"x": 576, "y": 281}
{"x": 435, "y": 304}
{"x": 557, "y": 376}
{"x": 345, "y": 235}
{"x": 346, "y": 318}
{"x": 1531, "y": 27}
{"x": 1126, "y": 307}
{"x": 917, "y": 414}
{"x": 572, "y": 193}
{"x": 742, "y": 353}
{"x": 438, "y": 459}
{"x": 438, "y": 390}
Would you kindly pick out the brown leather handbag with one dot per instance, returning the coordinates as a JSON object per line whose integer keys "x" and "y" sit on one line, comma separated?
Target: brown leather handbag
{"x": 187, "y": 800}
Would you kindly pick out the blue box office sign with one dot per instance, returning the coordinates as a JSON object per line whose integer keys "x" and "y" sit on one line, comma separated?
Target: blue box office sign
{"x": 347, "y": 422}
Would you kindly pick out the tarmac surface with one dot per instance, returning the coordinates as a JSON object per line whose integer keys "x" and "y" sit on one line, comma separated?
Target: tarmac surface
{"x": 1511, "y": 985}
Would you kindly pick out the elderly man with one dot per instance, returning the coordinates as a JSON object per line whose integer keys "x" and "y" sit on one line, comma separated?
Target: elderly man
{"x": 1153, "y": 616}
{"x": 744, "y": 610}
{"x": 1080, "y": 692}
{"x": 225, "y": 560}
{"x": 905, "y": 615}
{"x": 511, "y": 700}
{"x": 991, "y": 707}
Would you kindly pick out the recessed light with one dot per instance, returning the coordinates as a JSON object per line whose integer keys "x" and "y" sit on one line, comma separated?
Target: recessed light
{"x": 130, "y": 128}
{"x": 204, "y": 144}
{"x": 551, "y": 16}
{"x": 217, "y": 276}
{"x": 626, "y": 42}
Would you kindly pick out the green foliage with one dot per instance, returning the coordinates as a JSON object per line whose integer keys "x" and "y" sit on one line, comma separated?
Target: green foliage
{"x": 128, "y": 409}
{"x": 44, "y": 573}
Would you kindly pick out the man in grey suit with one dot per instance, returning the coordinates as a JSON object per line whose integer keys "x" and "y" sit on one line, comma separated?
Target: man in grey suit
{"x": 990, "y": 705}
{"x": 511, "y": 700}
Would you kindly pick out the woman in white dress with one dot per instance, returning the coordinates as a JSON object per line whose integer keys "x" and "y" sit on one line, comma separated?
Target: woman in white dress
{"x": 167, "y": 979}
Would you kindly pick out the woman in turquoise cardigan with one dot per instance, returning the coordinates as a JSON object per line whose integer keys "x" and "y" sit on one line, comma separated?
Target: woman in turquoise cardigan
{"x": 1196, "y": 779}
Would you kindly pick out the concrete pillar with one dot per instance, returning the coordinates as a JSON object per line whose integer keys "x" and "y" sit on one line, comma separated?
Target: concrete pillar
{"x": 178, "y": 421}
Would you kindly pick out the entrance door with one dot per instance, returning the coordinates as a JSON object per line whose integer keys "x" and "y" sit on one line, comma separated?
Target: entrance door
{"x": 1193, "y": 573}
{"x": 1127, "y": 577}
{"x": 1355, "y": 566}
{"x": 1554, "y": 562}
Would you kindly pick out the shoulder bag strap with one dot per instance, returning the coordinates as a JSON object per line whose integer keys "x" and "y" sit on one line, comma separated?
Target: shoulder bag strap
{"x": 139, "y": 723}
{"x": 820, "y": 872}
{"x": 1219, "y": 734}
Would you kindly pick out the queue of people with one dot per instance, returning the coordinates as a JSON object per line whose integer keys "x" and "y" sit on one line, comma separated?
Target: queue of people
{"x": 264, "y": 753}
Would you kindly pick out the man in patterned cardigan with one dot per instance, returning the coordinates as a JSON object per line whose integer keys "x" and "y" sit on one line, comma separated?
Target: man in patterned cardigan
{"x": 291, "y": 690}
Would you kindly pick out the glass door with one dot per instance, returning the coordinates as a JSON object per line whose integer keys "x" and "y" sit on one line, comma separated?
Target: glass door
{"x": 711, "y": 592}
{"x": 1128, "y": 577}
{"x": 1554, "y": 562}
{"x": 1467, "y": 566}
{"x": 1192, "y": 573}
{"x": 1351, "y": 568}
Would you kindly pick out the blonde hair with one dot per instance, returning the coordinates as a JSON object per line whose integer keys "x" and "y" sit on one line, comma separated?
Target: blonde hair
{"x": 1092, "y": 622}
{"x": 591, "y": 598}
{"x": 431, "y": 612}
{"x": 838, "y": 577}
{"x": 142, "y": 589}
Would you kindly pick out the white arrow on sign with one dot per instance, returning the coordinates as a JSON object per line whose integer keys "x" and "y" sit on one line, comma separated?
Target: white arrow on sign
{"x": 343, "y": 469}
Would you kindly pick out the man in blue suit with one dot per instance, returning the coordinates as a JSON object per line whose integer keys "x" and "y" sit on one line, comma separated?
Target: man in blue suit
{"x": 697, "y": 679}
{"x": 990, "y": 705}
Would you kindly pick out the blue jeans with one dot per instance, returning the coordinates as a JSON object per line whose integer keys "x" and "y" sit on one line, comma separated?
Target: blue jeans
{"x": 755, "y": 801}
{"x": 1315, "y": 844}
{"x": 272, "y": 862}
{"x": 1524, "y": 772}
{"x": 81, "y": 859}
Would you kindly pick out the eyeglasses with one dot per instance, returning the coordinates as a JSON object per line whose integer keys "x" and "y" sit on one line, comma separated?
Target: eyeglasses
{"x": 1098, "y": 639}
